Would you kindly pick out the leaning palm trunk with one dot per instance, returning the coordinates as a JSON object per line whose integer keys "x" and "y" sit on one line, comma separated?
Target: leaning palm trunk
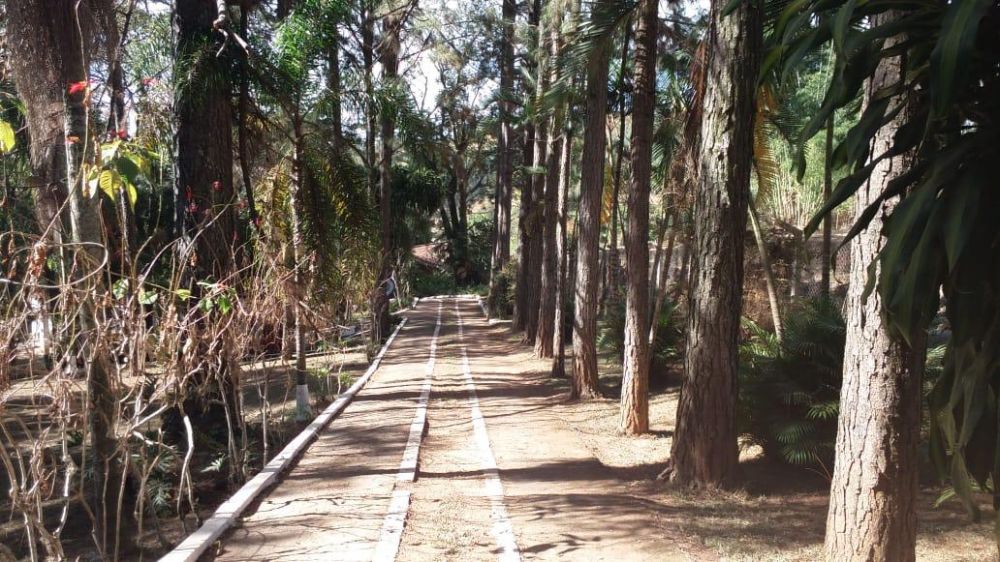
{"x": 634, "y": 417}
{"x": 705, "y": 450}
{"x": 765, "y": 263}
{"x": 873, "y": 494}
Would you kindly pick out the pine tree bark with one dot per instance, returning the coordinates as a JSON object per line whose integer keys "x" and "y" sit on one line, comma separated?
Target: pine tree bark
{"x": 203, "y": 189}
{"x": 704, "y": 451}
{"x": 534, "y": 224}
{"x": 550, "y": 214}
{"x": 634, "y": 417}
{"x": 585, "y": 382}
{"x": 389, "y": 57}
{"x": 505, "y": 147}
{"x": 371, "y": 117}
{"x": 523, "y": 286}
{"x": 873, "y": 494}
{"x": 46, "y": 40}
{"x": 562, "y": 249}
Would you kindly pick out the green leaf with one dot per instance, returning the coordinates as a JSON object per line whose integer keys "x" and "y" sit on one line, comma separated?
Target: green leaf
{"x": 120, "y": 288}
{"x": 147, "y": 298}
{"x": 183, "y": 294}
{"x": 110, "y": 183}
{"x": 963, "y": 206}
{"x": 132, "y": 193}
{"x": 841, "y": 23}
{"x": 953, "y": 53}
{"x": 7, "y": 138}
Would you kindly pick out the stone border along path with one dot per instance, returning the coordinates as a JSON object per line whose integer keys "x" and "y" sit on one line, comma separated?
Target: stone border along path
{"x": 192, "y": 547}
{"x": 399, "y": 505}
{"x": 502, "y": 529}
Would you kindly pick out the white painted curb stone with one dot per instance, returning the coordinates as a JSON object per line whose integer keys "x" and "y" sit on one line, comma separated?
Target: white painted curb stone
{"x": 198, "y": 542}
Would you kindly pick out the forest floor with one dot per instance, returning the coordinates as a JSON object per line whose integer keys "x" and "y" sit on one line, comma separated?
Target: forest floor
{"x": 510, "y": 469}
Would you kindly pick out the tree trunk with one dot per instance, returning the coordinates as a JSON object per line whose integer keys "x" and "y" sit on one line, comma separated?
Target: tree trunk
{"x": 874, "y": 489}
{"x": 525, "y": 289}
{"x": 562, "y": 249}
{"x": 705, "y": 451}
{"x": 505, "y": 147}
{"x": 389, "y": 57}
{"x": 334, "y": 88}
{"x": 535, "y": 218}
{"x": 203, "y": 191}
{"x": 661, "y": 282}
{"x": 765, "y": 263}
{"x": 47, "y": 58}
{"x": 303, "y": 410}
{"x": 585, "y": 383}
{"x": 635, "y": 371}
{"x": 550, "y": 213}
{"x": 368, "y": 61}
{"x": 242, "y": 134}
{"x": 523, "y": 286}
{"x": 826, "y": 253}
{"x": 612, "y": 258}
{"x": 550, "y": 251}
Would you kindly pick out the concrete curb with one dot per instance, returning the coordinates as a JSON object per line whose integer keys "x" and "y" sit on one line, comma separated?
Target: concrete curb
{"x": 192, "y": 547}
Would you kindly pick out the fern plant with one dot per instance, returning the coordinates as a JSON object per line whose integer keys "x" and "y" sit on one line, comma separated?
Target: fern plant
{"x": 789, "y": 390}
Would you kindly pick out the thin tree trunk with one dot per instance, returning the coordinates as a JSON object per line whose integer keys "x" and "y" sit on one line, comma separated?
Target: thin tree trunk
{"x": 765, "y": 262}
{"x": 333, "y": 86}
{"x": 873, "y": 494}
{"x": 562, "y": 249}
{"x": 523, "y": 288}
{"x": 585, "y": 383}
{"x": 389, "y": 57}
{"x": 534, "y": 225}
{"x": 533, "y": 153}
{"x": 634, "y": 417}
{"x": 550, "y": 247}
{"x": 705, "y": 450}
{"x": 303, "y": 410}
{"x": 664, "y": 274}
{"x": 826, "y": 253}
{"x": 371, "y": 118}
{"x": 243, "y": 110}
{"x": 505, "y": 147}
{"x": 612, "y": 259}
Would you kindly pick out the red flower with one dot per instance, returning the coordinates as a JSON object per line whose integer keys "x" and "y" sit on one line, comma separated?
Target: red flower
{"x": 192, "y": 207}
{"x": 149, "y": 81}
{"x": 77, "y": 87}
{"x": 123, "y": 134}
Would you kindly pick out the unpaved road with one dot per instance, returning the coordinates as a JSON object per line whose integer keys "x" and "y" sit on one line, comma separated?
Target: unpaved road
{"x": 455, "y": 451}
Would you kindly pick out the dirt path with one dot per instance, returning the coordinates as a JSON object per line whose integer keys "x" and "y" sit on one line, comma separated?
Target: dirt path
{"x": 501, "y": 476}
